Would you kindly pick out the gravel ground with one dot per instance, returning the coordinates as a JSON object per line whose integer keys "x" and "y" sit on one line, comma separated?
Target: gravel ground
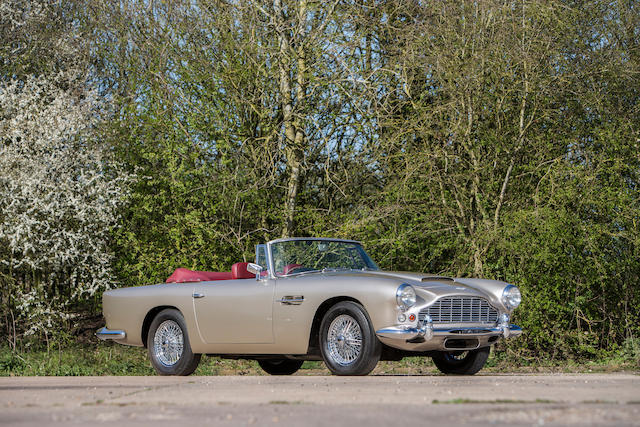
{"x": 557, "y": 399}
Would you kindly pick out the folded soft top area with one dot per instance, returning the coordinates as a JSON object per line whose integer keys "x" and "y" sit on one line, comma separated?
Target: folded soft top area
{"x": 184, "y": 275}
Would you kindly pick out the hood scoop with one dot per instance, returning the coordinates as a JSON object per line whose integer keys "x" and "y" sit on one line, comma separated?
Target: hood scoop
{"x": 436, "y": 278}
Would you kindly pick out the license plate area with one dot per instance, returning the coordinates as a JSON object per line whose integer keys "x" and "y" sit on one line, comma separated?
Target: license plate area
{"x": 461, "y": 343}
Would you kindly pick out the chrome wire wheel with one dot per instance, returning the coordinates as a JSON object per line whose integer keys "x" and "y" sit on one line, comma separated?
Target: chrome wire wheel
{"x": 168, "y": 343}
{"x": 344, "y": 340}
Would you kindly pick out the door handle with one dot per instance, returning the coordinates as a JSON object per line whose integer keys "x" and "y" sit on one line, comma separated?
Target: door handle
{"x": 291, "y": 300}
{"x": 197, "y": 295}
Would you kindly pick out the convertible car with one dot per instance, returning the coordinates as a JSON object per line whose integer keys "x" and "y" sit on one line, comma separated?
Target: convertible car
{"x": 312, "y": 299}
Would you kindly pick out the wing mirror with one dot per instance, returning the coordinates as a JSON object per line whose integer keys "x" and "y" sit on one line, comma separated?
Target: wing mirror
{"x": 255, "y": 269}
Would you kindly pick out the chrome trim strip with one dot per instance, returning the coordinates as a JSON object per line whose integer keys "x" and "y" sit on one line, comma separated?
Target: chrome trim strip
{"x": 108, "y": 334}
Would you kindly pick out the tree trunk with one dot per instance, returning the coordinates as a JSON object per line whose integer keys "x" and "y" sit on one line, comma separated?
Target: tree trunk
{"x": 294, "y": 164}
{"x": 293, "y": 123}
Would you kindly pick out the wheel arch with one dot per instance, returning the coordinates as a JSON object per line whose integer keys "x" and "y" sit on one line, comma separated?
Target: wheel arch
{"x": 151, "y": 314}
{"x": 314, "y": 334}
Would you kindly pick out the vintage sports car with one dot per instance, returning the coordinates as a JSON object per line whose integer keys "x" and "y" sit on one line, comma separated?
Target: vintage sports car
{"x": 312, "y": 299}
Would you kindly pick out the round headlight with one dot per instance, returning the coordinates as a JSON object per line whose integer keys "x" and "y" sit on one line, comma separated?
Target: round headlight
{"x": 511, "y": 297}
{"x": 405, "y": 296}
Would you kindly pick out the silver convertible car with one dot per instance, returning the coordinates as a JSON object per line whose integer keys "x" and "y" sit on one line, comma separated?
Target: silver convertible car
{"x": 312, "y": 299}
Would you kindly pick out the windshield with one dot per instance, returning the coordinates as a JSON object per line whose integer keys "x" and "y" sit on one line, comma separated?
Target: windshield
{"x": 299, "y": 256}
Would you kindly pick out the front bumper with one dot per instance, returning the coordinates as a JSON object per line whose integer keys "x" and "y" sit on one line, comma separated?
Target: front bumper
{"x": 415, "y": 333}
{"x": 430, "y": 337}
{"x": 108, "y": 334}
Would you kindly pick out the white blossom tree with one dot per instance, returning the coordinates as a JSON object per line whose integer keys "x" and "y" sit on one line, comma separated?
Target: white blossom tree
{"x": 60, "y": 193}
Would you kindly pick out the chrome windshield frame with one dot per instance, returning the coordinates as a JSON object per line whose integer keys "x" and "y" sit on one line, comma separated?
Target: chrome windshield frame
{"x": 272, "y": 272}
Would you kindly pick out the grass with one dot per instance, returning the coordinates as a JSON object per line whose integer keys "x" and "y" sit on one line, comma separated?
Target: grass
{"x": 104, "y": 359}
{"x": 89, "y": 358}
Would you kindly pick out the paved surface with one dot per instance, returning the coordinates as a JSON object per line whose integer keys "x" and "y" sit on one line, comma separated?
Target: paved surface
{"x": 556, "y": 399}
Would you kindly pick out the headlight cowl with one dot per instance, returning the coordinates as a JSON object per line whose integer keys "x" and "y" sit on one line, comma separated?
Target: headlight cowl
{"x": 405, "y": 296}
{"x": 511, "y": 297}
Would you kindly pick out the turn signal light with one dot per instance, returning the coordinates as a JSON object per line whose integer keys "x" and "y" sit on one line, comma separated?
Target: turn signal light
{"x": 412, "y": 317}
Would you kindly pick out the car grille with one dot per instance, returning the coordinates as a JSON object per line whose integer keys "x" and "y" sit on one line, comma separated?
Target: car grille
{"x": 460, "y": 310}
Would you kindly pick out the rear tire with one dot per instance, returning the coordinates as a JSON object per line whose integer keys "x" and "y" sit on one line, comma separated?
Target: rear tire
{"x": 461, "y": 362}
{"x": 348, "y": 342}
{"x": 168, "y": 345}
{"x": 280, "y": 366}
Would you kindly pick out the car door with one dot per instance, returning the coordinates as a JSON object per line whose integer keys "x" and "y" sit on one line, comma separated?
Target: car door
{"x": 234, "y": 311}
{"x": 296, "y": 301}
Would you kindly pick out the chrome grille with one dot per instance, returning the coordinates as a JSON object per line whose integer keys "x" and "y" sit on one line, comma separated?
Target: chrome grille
{"x": 460, "y": 310}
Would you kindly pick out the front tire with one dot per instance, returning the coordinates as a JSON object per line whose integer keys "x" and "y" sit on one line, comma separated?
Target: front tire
{"x": 280, "y": 366}
{"x": 461, "y": 362}
{"x": 168, "y": 345}
{"x": 348, "y": 342}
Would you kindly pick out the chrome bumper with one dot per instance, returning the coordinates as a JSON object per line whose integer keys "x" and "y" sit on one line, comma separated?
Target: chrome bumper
{"x": 427, "y": 331}
{"x": 108, "y": 334}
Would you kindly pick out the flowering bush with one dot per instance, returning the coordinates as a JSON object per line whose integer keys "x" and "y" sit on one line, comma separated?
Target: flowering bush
{"x": 60, "y": 192}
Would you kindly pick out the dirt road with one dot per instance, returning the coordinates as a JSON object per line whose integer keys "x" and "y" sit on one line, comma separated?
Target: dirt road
{"x": 556, "y": 399}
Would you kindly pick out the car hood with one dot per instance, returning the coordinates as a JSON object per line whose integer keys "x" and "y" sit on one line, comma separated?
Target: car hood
{"x": 428, "y": 286}
{"x": 435, "y": 286}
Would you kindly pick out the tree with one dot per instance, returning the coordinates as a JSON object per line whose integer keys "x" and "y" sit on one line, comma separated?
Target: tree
{"x": 59, "y": 186}
{"x": 237, "y": 115}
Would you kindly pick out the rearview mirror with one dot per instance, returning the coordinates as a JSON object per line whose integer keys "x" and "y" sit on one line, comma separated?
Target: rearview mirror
{"x": 255, "y": 269}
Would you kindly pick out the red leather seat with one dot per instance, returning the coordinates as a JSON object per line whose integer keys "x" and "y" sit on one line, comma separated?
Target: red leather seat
{"x": 239, "y": 271}
{"x": 288, "y": 268}
{"x": 184, "y": 275}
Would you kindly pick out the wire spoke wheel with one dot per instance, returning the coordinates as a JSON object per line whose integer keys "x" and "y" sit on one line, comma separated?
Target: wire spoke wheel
{"x": 344, "y": 340}
{"x": 168, "y": 343}
{"x": 348, "y": 343}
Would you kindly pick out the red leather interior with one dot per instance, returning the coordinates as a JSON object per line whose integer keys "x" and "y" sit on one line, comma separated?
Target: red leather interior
{"x": 287, "y": 268}
{"x": 183, "y": 275}
{"x": 239, "y": 271}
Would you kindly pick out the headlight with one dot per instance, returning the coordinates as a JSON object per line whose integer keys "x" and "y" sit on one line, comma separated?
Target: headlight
{"x": 511, "y": 297}
{"x": 405, "y": 296}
